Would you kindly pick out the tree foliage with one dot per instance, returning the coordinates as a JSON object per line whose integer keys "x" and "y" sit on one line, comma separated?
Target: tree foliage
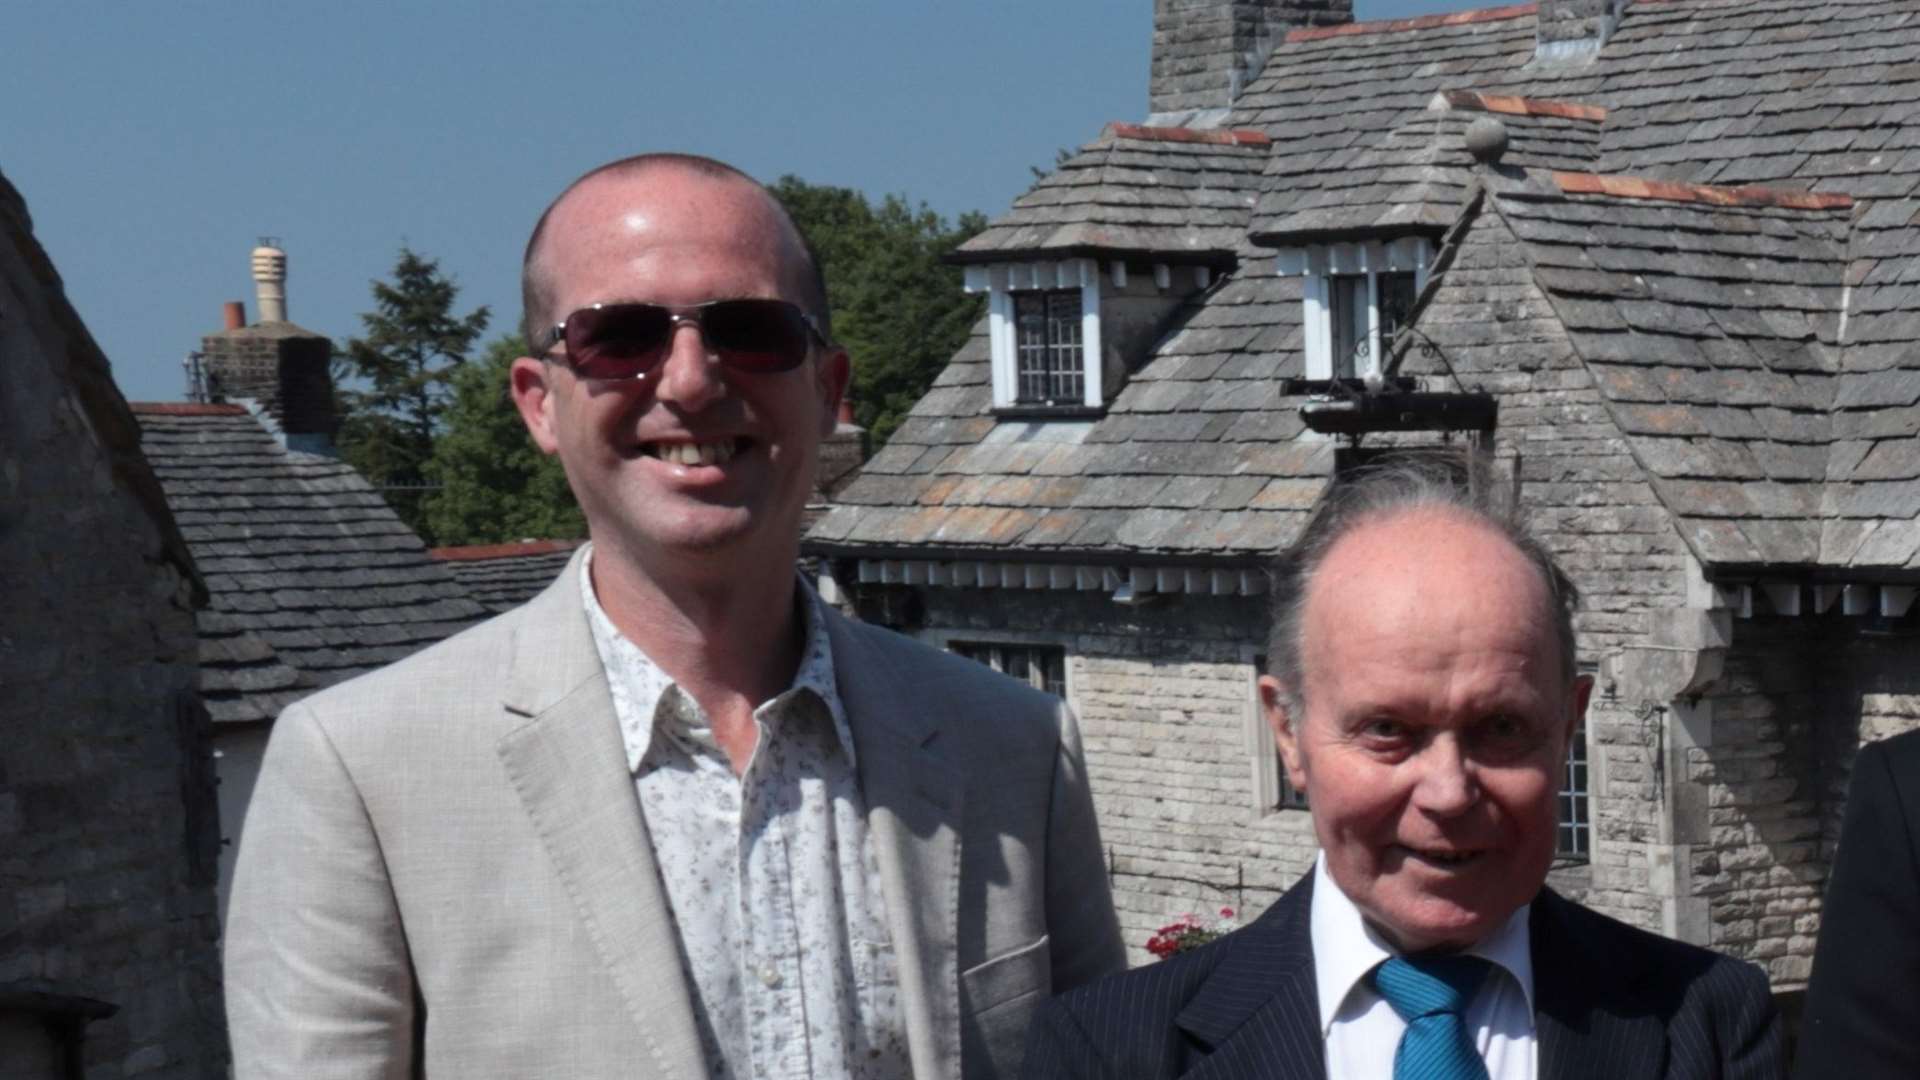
{"x": 494, "y": 484}
{"x": 897, "y": 308}
{"x": 412, "y": 346}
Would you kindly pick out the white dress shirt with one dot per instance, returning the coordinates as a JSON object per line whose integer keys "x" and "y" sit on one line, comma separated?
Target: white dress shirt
{"x": 771, "y": 874}
{"x": 1362, "y": 1031}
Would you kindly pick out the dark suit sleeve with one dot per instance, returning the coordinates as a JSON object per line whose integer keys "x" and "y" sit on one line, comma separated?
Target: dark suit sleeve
{"x": 1748, "y": 1025}
{"x": 1057, "y": 1046}
{"x": 1083, "y": 930}
{"x": 1863, "y": 1008}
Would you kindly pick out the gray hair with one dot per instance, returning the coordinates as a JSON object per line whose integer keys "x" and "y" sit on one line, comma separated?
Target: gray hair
{"x": 1454, "y": 480}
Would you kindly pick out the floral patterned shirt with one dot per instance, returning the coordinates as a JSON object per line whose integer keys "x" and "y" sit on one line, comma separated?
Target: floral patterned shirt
{"x": 771, "y": 875}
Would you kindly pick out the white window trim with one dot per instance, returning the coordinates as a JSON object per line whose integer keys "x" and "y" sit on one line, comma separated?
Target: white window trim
{"x": 1316, "y": 263}
{"x": 1001, "y": 280}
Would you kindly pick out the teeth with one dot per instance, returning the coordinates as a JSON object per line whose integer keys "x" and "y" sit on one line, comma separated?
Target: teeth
{"x": 716, "y": 452}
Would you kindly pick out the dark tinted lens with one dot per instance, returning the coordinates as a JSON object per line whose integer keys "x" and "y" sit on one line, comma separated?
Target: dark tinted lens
{"x": 618, "y": 341}
{"x": 756, "y": 335}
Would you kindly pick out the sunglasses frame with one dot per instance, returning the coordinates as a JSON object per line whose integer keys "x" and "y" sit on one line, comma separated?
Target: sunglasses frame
{"x": 687, "y": 313}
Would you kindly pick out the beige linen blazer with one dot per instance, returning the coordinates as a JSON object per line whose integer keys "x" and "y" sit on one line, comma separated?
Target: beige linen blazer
{"x": 444, "y": 867}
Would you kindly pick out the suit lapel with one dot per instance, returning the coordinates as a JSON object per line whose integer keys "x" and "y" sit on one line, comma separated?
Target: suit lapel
{"x": 915, "y": 800}
{"x": 568, "y": 765}
{"x": 1258, "y": 1013}
{"x": 1585, "y": 1014}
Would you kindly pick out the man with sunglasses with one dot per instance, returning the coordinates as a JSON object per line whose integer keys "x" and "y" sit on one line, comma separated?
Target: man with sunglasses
{"x": 673, "y": 817}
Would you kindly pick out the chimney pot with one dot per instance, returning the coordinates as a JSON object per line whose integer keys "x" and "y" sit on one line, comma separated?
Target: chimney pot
{"x": 270, "y": 280}
{"x": 234, "y": 315}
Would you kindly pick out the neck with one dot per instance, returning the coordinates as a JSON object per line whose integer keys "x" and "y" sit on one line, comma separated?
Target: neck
{"x": 729, "y": 642}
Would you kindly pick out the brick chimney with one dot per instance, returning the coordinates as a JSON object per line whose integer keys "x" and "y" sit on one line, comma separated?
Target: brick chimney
{"x": 1573, "y": 29}
{"x": 1206, "y": 51}
{"x": 283, "y": 367}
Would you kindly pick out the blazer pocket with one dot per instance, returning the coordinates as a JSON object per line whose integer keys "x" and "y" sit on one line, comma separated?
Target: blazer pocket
{"x": 997, "y": 1002}
{"x": 1026, "y": 970}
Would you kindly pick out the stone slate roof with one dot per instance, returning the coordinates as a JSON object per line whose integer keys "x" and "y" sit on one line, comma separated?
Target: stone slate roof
{"x": 503, "y": 576}
{"x": 1713, "y": 331}
{"x": 1413, "y": 180}
{"x": 1178, "y": 194}
{"x": 312, "y": 578}
{"x": 1201, "y": 457}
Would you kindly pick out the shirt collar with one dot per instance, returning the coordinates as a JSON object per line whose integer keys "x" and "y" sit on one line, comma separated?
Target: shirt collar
{"x": 638, "y": 685}
{"x": 1345, "y": 948}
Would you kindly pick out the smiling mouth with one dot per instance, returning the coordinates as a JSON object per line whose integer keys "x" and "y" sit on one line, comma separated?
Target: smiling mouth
{"x": 704, "y": 452}
{"x": 1448, "y": 859}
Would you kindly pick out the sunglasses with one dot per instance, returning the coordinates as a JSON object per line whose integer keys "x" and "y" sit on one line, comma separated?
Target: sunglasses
{"x": 628, "y": 340}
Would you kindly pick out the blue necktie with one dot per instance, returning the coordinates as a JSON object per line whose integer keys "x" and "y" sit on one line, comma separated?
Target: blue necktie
{"x": 1431, "y": 995}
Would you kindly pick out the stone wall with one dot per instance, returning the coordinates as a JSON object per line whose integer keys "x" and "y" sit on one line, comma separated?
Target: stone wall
{"x": 1165, "y": 694}
{"x": 108, "y": 827}
{"x": 1206, "y": 51}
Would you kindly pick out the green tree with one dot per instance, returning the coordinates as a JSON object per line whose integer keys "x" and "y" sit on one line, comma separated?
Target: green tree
{"x": 897, "y": 308}
{"x": 492, "y": 483}
{"x": 413, "y": 345}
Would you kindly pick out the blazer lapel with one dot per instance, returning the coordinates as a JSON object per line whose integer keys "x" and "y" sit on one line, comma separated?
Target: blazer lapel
{"x": 915, "y": 800}
{"x": 1258, "y": 1013}
{"x": 1584, "y": 1003}
{"x": 568, "y": 765}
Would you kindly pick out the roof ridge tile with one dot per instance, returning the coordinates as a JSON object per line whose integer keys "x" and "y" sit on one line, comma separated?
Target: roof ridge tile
{"x": 187, "y": 408}
{"x": 1635, "y": 187}
{"x": 1418, "y": 22}
{"x": 1513, "y": 105}
{"x": 1214, "y": 136}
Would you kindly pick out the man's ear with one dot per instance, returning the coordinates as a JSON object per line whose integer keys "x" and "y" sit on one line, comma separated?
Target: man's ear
{"x": 1578, "y": 695}
{"x": 527, "y": 381}
{"x": 1275, "y": 703}
{"x": 830, "y": 381}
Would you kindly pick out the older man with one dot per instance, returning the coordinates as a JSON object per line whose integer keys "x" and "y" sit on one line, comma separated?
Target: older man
{"x": 674, "y": 817}
{"x": 1422, "y": 692}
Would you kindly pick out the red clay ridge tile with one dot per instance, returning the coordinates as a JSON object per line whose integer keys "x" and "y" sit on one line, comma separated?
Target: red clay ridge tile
{"x": 1474, "y": 101}
{"x": 477, "y": 552}
{"x": 1634, "y": 187}
{"x": 1422, "y": 22}
{"x": 1214, "y": 136}
{"x": 186, "y": 408}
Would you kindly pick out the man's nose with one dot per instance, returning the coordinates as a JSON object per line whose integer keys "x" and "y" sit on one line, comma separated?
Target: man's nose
{"x": 1446, "y": 785}
{"x": 689, "y": 374}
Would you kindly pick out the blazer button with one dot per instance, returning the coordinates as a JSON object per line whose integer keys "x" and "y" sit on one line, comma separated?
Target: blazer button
{"x": 770, "y": 976}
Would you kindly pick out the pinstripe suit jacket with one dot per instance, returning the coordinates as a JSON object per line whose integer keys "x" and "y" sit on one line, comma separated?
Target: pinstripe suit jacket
{"x": 1612, "y": 1003}
{"x": 1863, "y": 1008}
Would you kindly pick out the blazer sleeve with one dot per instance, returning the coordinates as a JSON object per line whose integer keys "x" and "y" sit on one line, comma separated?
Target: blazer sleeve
{"x": 1081, "y": 924}
{"x": 1862, "y": 1016}
{"x": 318, "y": 982}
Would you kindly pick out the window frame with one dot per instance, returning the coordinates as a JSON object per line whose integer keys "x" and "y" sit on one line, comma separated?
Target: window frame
{"x": 1062, "y": 361}
{"x": 1573, "y": 799}
{"x": 1319, "y": 265}
{"x": 954, "y": 641}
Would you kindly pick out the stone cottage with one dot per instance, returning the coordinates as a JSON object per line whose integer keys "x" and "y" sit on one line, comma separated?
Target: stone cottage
{"x": 108, "y": 941}
{"x": 1657, "y": 258}
{"x": 312, "y": 578}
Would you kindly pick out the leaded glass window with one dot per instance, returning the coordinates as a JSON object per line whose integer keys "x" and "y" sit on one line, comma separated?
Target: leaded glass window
{"x": 1047, "y": 342}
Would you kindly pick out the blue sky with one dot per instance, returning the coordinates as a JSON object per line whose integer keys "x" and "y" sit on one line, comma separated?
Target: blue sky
{"x": 155, "y": 142}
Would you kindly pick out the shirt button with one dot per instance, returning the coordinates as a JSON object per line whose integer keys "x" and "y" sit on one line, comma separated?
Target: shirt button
{"x": 770, "y": 976}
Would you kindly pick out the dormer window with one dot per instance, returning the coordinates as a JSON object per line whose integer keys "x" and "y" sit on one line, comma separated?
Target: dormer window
{"x": 1044, "y": 333}
{"x": 1356, "y": 297}
{"x": 1062, "y": 333}
{"x": 1050, "y": 365}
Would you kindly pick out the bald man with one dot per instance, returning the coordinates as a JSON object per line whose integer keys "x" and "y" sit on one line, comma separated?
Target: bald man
{"x": 675, "y": 816}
